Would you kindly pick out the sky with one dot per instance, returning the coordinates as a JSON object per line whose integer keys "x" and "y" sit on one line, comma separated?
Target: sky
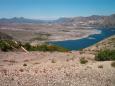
{"x": 52, "y": 9}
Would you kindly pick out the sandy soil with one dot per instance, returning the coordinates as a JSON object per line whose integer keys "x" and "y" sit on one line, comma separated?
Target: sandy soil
{"x": 54, "y": 69}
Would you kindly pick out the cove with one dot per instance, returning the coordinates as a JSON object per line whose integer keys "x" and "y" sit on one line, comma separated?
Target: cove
{"x": 85, "y": 42}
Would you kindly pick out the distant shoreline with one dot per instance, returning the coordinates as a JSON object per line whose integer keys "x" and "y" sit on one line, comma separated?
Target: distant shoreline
{"x": 86, "y": 41}
{"x": 76, "y": 38}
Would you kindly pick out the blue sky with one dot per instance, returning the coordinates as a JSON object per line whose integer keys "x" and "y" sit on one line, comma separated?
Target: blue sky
{"x": 51, "y": 9}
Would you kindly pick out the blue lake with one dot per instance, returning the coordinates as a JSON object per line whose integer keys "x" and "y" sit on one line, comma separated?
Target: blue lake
{"x": 85, "y": 42}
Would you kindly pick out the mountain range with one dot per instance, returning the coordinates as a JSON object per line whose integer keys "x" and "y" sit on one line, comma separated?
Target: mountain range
{"x": 90, "y": 20}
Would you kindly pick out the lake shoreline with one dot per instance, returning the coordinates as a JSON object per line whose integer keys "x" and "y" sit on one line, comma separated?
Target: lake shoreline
{"x": 85, "y": 41}
{"x": 96, "y": 31}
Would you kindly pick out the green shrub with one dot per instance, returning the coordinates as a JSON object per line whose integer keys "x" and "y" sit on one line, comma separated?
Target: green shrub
{"x": 27, "y": 46}
{"x": 105, "y": 55}
{"x": 113, "y": 64}
{"x": 83, "y": 61}
{"x": 24, "y": 64}
{"x": 44, "y": 48}
{"x": 53, "y": 60}
{"x": 100, "y": 66}
{"x": 10, "y": 45}
{"x": 5, "y": 46}
{"x": 56, "y": 48}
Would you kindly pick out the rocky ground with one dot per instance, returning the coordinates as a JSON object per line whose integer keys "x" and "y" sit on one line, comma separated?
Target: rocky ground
{"x": 56, "y": 68}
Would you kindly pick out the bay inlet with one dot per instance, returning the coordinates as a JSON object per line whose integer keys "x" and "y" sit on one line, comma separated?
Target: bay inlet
{"x": 85, "y": 42}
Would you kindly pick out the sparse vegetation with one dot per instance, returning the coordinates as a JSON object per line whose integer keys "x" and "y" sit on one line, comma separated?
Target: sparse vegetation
{"x": 21, "y": 70}
{"x": 10, "y": 45}
{"x": 83, "y": 61}
{"x": 113, "y": 64}
{"x": 105, "y": 55}
{"x": 44, "y": 48}
{"x": 27, "y": 46}
{"x": 100, "y": 66}
{"x": 53, "y": 60}
{"x": 5, "y": 46}
{"x": 24, "y": 64}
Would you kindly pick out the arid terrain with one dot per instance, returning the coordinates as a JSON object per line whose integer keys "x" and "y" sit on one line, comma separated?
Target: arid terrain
{"x": 57, "y": 42}
{"x": 56, "y": 68}
{"x": 19, "y": 67}
{"x": 40, "y": 31}
{"x": 44, "y": 33}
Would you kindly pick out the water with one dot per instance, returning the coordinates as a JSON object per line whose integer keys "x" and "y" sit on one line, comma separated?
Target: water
{"x": 85, "y": 42}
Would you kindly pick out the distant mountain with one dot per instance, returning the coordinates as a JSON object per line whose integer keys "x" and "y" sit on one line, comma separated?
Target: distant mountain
{"x": 20, "y": 20}
{"x": 91, "y": 20}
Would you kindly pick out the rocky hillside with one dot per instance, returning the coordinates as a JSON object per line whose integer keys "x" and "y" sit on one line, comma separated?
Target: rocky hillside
{"x": 108, "y": 43}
